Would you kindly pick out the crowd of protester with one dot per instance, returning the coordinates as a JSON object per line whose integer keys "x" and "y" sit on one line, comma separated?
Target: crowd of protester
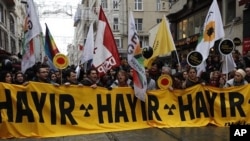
{"x": 183, "y": 76}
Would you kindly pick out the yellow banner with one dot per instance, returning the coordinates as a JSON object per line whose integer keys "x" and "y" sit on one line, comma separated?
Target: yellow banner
{"x": 43, "y": 110}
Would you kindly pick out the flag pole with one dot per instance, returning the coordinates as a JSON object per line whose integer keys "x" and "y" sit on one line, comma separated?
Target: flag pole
{"x": 229, "y": 34}
{"x": 61, "y": 75}
{"x": 85, "y": 66}
{"x": 178, "y": 60}
{"x": 226, "y": 68}
{"x": 41, "y": 42}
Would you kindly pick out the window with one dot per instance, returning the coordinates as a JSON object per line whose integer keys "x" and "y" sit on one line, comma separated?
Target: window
{"x": 158, "y": 5}
{"x": 1, "y": 14}
{"x": 12, "y": 25}
{"x": 230, "y": 10}
{"x": 144, "y": 41}
{"x": 13, "y": 45}
{"x": 163, "y": 5}
{"x": 190, "y": 30}
{"x": 192, "y": 25}
{"x": 116, "y": 24}
{"x": 172, "y": 2}
{"x": 3, "y": 39}
{"x": 197, "y": 24}
{"x": 158, "y": 20}
{"x": 116, "y": 4}
{"x": 118, "y": 43}
{"x": 138, "y": 5}
{"x": 20, "y": 45}
{"x": 184, "y": 28}
{"x": 199, "y": 19}
{"x": 138, "y": 24}
{"x": 104, "y": 4}
{"x": 179, "y": 30}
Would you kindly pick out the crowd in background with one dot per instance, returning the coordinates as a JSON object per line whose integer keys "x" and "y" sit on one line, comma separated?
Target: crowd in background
{"x": 182, "y": 74}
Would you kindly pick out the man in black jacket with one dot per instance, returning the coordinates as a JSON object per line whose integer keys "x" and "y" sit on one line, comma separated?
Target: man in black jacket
{"x": 92, "y": 79}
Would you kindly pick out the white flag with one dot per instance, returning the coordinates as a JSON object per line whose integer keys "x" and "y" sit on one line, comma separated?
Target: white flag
{"x": 87, "y": 52}
{"x": 78, "y": 71}
{"x": 32, "y": 22}
{"x": 213, "y": 30}
{"x": 32, "y": 29}
{"x": 228, "y": 64}
{"x": 135, "y": 60}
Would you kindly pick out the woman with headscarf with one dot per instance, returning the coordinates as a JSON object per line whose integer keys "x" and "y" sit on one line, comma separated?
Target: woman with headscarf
{"x": 238, "y": 79}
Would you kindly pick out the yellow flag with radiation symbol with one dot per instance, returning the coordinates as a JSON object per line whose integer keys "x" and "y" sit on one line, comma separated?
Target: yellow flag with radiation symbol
{"x": 163, "y": 43}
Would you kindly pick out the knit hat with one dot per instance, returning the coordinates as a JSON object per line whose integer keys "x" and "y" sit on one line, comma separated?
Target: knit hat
{"x": 241, "y": 72}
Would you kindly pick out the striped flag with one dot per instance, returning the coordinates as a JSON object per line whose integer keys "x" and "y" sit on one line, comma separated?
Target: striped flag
{"x": 50, "y": 48}
{"x": 135, "y": 60}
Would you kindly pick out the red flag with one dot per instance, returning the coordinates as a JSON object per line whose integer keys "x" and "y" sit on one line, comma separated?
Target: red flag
{"x": 106, "y": 54}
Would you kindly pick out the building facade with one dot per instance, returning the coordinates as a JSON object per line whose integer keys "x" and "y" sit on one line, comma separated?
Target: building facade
{"x": 146, "y": 13}
{"x": 12, "y": 14}
{"x": 86, "y": 13}
{"x": 187, "y": 18}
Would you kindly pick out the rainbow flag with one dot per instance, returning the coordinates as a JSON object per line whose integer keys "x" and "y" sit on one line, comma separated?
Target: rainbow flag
{"x": 135, "y": 61}
{"x": 50, "y": 46}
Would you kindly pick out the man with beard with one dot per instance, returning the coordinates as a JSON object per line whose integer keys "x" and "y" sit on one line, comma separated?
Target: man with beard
{"x": 92, "y": 79}
{"x": 42, "y": 74}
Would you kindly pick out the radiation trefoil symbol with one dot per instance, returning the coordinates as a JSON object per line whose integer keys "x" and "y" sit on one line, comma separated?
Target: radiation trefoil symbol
{"x": 170, "y": 109}
{"x": 86, "y": 109}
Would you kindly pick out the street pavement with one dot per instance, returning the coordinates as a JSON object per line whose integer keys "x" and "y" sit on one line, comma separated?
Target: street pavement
{"x": 208, "y": 133}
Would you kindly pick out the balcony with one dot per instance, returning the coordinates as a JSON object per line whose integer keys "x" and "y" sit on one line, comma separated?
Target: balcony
{"x": 9, "y": 3}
